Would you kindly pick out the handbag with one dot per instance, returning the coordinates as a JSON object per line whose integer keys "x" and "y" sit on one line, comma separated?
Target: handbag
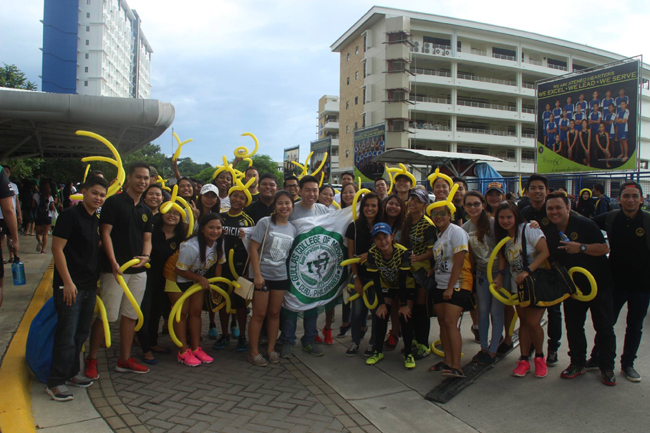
{"x": 247, "y": 287}
{"x": 544, "y": 287}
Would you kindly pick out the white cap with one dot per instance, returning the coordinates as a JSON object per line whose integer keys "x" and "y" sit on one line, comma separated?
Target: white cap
{"x": 208, "y": 187}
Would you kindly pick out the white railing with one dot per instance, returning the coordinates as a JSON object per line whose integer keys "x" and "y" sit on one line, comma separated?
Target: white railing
{"x": 559, "y": 67}
{"x": 535, "y": 62}
{"x": 528, "y": 110}
{"x": 431, "y": 72}
{"x": 528, "y": 85}
{"x": 487, "y": 79}
{"x": 429, "y": 99}
{"x": 504, "y": 57}
{"x": 486, "y": 131}
{"x": 478, "y": 52}
{"x": 429, "y": 125}
{"x": 527, "y": 135}
{"x": 484, "y": 105}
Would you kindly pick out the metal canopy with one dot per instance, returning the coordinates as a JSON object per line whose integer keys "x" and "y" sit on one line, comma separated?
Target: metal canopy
{"x": 43, "y": 125}
{"x": 433, "y": 158}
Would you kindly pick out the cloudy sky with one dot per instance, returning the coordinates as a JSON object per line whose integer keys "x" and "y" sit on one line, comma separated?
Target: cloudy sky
{"x": 234, "y": 66}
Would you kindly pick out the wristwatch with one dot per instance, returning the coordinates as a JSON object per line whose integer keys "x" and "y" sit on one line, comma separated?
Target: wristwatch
{"x": 583, "y": 248}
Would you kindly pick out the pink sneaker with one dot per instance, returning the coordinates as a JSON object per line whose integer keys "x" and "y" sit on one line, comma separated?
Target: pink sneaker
{"x": 202, "y": 356}
{"x": 188, "y": 359}
{"x": 540, "y": 367}
{"x": 522, "y": 368}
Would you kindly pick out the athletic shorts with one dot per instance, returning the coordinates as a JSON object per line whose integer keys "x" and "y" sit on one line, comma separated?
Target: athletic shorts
{"x": 459, "y": 298}
{"x": 394, "y": 294}
{"x": 44, "y": 222}
{"x": 275, "y": 285}
{"x": 114, "y": 298}
{"x": 622, "y": 136}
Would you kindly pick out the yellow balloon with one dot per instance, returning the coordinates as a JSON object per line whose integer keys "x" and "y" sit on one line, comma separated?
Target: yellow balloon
{"x": 86, "y": 172}
{"x": 511, "y": 329}
{"x": 101, "y": 309}
{"x": 436, "y": 174}
{"x": 350, "y": 261}
{"x": 592, "y": 282}
{"x": 394, "y": 172}
{"x": 440, "y": 352}
{"x": 448, "y": 203}
{"x": 121, "y": 175}
{"x": 127, "y": 291}
{"x": 502, "y": 295}
{"x": 365, "y": 296}
{"x": 190, "y": 214}
{"x": 177, "y": 154}
{"x": 241, "y": 187}
{"x": 354, "y": 202}
{"x": 242, "y": 151}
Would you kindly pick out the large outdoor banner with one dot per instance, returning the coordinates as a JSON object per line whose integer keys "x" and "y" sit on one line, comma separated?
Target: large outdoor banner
{"x": 291, "y": 154}
{"x": 588, "y": 121}
{"x": 319, "y": 148}
{"x": 368, "y": 144}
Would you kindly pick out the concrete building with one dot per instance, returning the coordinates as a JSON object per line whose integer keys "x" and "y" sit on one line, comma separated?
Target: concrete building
{"x": 328, "y": 130}
{"x": 448, "y": 84}
{"x": 95, "y": 47}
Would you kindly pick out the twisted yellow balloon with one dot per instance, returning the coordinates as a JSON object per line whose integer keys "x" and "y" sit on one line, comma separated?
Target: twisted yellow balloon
{"x": 242, "y": 151}
{"x": 354, "y": 202}
{"x": 583, "y": 190}
{"x": 171, "y": 204}
{"x": 436, "y": 174}
{"x": 320, "y": 167}
{"x": 359, "y": 177}
{"x": 239, "y": 186}
{"x": 86, "y": 172}
{"x": 101, "y": 309}
{"x": 121, "y": 175}
{"x": 502, "y": 294}
{"x": 448, "y": 203}
{"x": 162, "y": 183}
{"x": 365, "y": 296}
{"x": 592, "y": 282}
{"x": 231, "y": 265}
{"x": 440, "y": 352}
{"x": 304, "y": 168}
{"x": 521, "y": 188}
{"x": 177, "y": 154}
{"x": 394, "y": 172}
{"x": 127, "y": 291}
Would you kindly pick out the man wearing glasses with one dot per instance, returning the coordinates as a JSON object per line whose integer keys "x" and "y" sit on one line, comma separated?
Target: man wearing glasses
{"x": 291, "y": 185}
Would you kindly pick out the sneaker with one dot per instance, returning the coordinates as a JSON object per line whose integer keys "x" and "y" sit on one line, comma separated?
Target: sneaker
{"x": 188, "y": 359}
{"x": 572, "y": 371}
{"x": 352, "y": 350}
{"x": 234, "y": 331}
{"x": 522, "y": 368}
{"x": 258, "y": 360}
{"x": 551, "y": 360}
{"x": 60, "y": 393}
{"x": 202, "y": 356}
{"x": 608, "y": 378}
{"x": 504, "y": 349}
{"x": 274, "y": 357}
{"x": 313, "y": 350}
{"x": 327, "y": 333}
{"x": 477, "y": 335}
{"x": 342, "y": 331}
{"x": 483, "y": 358}
{"x": 131, "y": 366}
{"x": 540, "y": 367}
{"x": 370, "y": 350}
{"x": 79, "y": 381}
{"x": 222, "y": 342}
{"x": 286, "y": 351}
{"x": 592, "y": 364}
{"x": 631, "y": 374}
{"x": 391, "y": 342}
{"x": 375, "y": 358}
{"x": 90, "y": 370}
{"x": 242, "y": 346}
{"x": 409, "y": 362}
{"x": 213, "y": 333}
{"x": 318, "y": 340}
{"x": 420, "y": 351}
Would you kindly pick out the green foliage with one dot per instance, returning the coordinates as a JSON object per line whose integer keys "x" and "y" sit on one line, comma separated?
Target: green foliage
{"x": 23, "y": 168}
{"x": 264, "y": 164}
{"x": 14, "y": 78}
{"x": 150, "y": 153}
{"x": 189, "y": 168}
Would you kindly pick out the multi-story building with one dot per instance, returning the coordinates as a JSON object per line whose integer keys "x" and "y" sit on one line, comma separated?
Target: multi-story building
{"x": 328, "y": 130}
{"x": 448, "y": 84}
{"x": 95, "y": 47}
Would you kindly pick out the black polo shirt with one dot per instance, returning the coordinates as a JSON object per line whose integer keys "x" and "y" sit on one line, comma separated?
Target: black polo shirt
{"x": 129, "y": 222}
{"x": 258, "y": 210}
{"x": 81, "y": 231}
{"x": 529, "y": 213}
{"x": 629, "y": 256}
{"x": 459, "y": 215}
{"x": 584, "y": 231}
{"x": 255, "y": 197}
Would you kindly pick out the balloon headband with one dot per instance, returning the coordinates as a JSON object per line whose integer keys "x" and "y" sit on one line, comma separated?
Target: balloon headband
{"x": 401, "y": 171}
{"x": 177, "y": 154}
{"x": 304, "y": 169}
{"x": 239, "y": 186}
{"x": 173, "y": 203}
{"x": 436, "y": 174}
{"x": 448, "y": 203}
{"x": 162, "y": 183}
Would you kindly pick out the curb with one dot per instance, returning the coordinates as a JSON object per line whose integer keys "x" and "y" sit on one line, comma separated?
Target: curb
{"x": 15, "y": 376}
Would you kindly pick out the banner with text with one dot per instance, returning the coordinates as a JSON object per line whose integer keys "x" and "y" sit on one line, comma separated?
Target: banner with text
{"x": 368, "y": 144}
{"x": 291, "y": 154}
{"x": 319, "y": 148}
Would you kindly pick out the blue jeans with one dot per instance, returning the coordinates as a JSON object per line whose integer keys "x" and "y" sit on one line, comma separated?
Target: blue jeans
{"x": 488, "y": 305}
{"x": 72, "y": 330}
{"x": 290, "y": 323}
{"x": 360, "y": 317}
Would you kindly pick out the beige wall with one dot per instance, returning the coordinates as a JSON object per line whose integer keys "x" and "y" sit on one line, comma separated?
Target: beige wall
{"x": 347, "y": 117}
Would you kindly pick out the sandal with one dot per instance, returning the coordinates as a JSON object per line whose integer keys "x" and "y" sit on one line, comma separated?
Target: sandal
{"x": 453, "y": 372}
{"x": 441, "y": 366}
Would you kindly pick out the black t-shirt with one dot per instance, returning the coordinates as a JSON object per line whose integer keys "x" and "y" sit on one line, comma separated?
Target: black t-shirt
{"x": 459, "y": 215}
{"x": 584, "y": 231}
{"x": 255, "y": 197}
{"x": 629, "y": 256}
{"x": 5, "y": 191}
{"x": 523, "y": 203}
{"x": 362, "y": 243}
{"x": 258, "y": 210}
{"x": 130, "y": 222}
{"x": 529, "y": 213}
{"x": 81, "y": 231}
{"x": 231, "y": 226}
{"x": 161, "y": 247}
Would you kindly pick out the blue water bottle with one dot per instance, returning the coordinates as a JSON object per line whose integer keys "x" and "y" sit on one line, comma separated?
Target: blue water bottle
{"x": 564, "y": 237}
{"x": 18, "y": 272}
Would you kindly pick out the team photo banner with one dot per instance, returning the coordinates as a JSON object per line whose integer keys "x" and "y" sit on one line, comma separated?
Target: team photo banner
{"x": 368, "y": 144}
{"x": 588, "y": 122}
{"x": 320, "y": 147}
{"x": 291, "y": 154}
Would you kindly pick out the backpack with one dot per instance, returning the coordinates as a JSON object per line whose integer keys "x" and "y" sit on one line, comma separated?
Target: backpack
{"x": 611, "y": 216}
{"x": 40, "y": 341}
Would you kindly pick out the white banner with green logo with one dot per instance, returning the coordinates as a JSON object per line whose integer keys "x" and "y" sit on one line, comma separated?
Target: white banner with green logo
{"x": 314, "y": 262}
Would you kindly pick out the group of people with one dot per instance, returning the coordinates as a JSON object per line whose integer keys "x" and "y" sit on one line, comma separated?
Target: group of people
{"x": 419, "y": 266}
{"x": 593, "y": 133}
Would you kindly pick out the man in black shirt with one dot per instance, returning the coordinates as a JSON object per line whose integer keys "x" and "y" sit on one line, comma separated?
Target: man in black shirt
{"x": 125, "y": 227}
{"x": 249, "y": 173}
{"x": 585, "y": 248}
{"x": 627, "y": 232}
{"x": 459, "y": 215}
{"x": 536, "y": 189}
{"x": 261, "y": 208}
{"x": 7, "y": 205}
{"x": 75, "y": 247}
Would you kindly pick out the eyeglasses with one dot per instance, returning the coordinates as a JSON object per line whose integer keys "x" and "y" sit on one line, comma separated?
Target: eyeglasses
{"x": 442, "y": 214}
{"x": 291, "y": 186}
{"x": 475, "y": 204}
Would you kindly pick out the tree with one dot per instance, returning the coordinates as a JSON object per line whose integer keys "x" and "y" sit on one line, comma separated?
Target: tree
{"x": 263, "y": 164}
{"x": 14, "y": 78}
{"x": 151, "y": 154}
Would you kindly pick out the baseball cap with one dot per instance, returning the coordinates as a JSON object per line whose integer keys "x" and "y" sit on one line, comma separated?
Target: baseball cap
{"x": 495, "y": 186}
{"x": 381, "y": 228}
{"x": 208, "y": 187}
{"x": 420, "y": 195}
{"x": 402, "y": 175}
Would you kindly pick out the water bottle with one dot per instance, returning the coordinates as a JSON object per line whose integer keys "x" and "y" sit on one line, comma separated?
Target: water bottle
{"x": 18, "y": 272}
{"x": 564, "y": 238}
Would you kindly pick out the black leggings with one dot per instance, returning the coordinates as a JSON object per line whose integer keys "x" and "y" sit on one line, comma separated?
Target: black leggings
{"x": 382, "y": 328}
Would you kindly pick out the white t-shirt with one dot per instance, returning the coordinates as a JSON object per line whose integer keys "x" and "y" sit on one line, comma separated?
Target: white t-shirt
{"x": 453, "y": 240}
{"x": 224, "y": 204}
{"x": 37, "y": 198}
{"x": 189, "y": 258}
{"x": 513, "y": 252}
{"x": 13, "y": 188}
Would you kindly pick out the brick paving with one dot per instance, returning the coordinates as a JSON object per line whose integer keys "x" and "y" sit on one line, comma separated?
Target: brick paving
{"x": 230, "y": 396}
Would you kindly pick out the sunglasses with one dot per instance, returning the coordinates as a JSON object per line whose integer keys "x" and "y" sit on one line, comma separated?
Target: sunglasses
{"x": 475, "y": 204}
{"x": 442, "y": 214}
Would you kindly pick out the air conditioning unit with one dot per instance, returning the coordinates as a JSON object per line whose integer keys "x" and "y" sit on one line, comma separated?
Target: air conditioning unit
{"x": 447, "y": 52}
{"x": 425, "y": 50}
{"x": 416, "y": 43}
{"x": 426, "y": 45}
{"x": 438, "y": 51}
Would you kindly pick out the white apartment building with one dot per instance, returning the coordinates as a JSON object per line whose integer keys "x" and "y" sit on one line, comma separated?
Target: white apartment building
{"x": 328, "y": 128}
{"x": 448, "y": 84}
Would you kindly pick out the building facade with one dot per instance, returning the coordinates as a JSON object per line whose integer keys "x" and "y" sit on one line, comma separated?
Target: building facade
{"x": 95, "y": 47}
{"x": 328, "y": 129}
{"x": 447, "y": 84}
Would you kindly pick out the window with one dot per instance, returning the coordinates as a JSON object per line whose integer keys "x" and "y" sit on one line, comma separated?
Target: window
{"x": 363, "y": 121}
{"x": 356, "y": 99}
{"x": 86, "y": 83}
{"x": 87, "y": 14}
{"x": 356, "y": 50}
{"x": 356, "y": 75}
{"x": 365, "y": 42}
{"x": 347, "y": 129}
{"x": 364, "y": 95}
{"x": 356, "y": 125}
{"x": 87, "y": 28}
{"x": 87, "y": 56}
{"x": 348, "y": 80}
{"x": 364, "y": 70}
{"x": 87, "y": 42}
{"x": 347, "y": 105}
{"x": 348, "y": 57}
{"x": 86, "y": 69}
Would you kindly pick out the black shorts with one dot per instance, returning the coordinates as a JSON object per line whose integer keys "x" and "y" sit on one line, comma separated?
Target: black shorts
{"x": 274, "y": 285}
{"x": 459, "y": 298}
{"x": 394, "y": 294}
{"x": 43, "y": 221}
{"x": 185, "y": 286}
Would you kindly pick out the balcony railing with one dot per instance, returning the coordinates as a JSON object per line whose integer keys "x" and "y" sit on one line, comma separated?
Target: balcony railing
{"x": 428, "y": 125}
{"x": 478, "y": 52}
{"x": 528, "y": 110}
{"x": 486, "y": 105}
{"x": 504, "y": 57}
{"x": 528, "y": 85}
{"x": 444, "y": 47}
{"x": 527, "y": 135}
{"x": 487, "y": 132}
{"x": 431, "y": 72}
{"x": 559, "y": 67}
{"x": 418, "y": 98}
{"x": 487, "y": 79}
{"x": 534, "y": 62}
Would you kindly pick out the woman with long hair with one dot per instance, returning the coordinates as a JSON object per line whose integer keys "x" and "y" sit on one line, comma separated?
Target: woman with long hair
{"x": 269, "y": 248}
{"x": 347, "y": 194}
{"x": 196, "y": 256}
{"x": 43, "y": 203}
{"x": 441, "y": 189}
{"x": 153, "y": 197}
{"x": 572, "y": 139}
{"x": 510, "y": 223}
{"x": 359, "y": 236}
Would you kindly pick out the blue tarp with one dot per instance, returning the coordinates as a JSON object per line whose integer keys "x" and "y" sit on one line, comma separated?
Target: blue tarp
{"x": 485, "y": 171}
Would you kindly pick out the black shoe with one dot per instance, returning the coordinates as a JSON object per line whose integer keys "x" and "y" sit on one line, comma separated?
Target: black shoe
{"x": 342, "y": 331}
{"x": 608, "y": 378}
{"x": 592, "y": 364}
{"x": 504, "y": 348}
{"x": 483, "y": 358}
{"x": 352, "y": 350}
{"x": 572, "y": 371}
{"x": 551, "y": 360}
{"x": 477, "y": 335}
{"x": 631, "y": 374}
{"x": 59, "y": 393}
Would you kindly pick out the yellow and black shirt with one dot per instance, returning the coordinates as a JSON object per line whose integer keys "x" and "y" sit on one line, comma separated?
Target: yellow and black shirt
{"x": 231, "y": 226}
{"x": 422, "y": 237}
{"x": 393, "y": 273}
